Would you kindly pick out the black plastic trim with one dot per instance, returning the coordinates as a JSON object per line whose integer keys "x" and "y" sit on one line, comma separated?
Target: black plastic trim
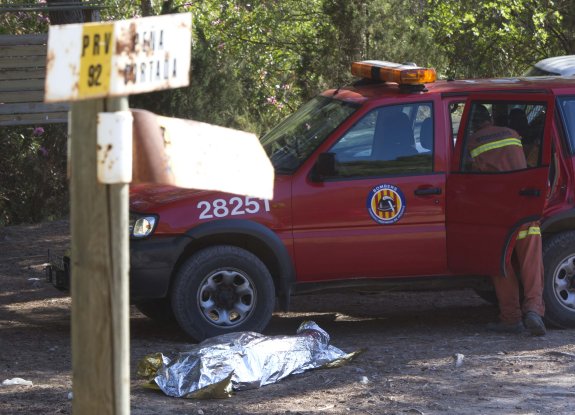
{"x": 548, "y": 223}
{"x": 392, "y": 176}
{"x": 152, "y": 262}
{"x": 419, "y": 283}
{"x": 493, "y": 91}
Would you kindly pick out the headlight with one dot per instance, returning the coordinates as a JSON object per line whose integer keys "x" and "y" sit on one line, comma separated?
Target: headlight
{"x": 141, "y": 226}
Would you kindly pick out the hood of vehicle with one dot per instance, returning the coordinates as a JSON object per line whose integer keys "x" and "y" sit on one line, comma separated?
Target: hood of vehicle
{"x": 149, "y": 198}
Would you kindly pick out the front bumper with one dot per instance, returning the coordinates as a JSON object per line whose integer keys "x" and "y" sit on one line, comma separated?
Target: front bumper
{"x": 152, "y": 262}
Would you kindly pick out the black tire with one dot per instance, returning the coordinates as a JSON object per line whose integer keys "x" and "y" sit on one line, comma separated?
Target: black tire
{"x": 559, "y": 284}
{"x": 222, "y": 289}
{"x": 159, "y": 310}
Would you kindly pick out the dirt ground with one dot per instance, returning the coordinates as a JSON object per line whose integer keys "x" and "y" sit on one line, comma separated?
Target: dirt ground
{"x": 409, "y": 366}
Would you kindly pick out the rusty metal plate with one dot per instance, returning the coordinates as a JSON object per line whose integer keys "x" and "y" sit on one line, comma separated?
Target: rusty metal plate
{"x": 192, "y": 154}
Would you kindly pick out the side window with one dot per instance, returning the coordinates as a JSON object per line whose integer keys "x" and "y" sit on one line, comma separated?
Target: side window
{"x": 503, "y": 136}
{"x": 396, "y": 139}
{"x": 567, "y": 106}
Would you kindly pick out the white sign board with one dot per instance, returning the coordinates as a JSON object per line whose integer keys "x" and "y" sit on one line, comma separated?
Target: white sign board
{"x": 95, "y": 60}
{"x": 205, "y": 156}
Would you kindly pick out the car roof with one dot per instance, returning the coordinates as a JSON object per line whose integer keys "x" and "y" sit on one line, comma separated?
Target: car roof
{"x": 360, "y": 92}
{"x": 558, "y": 65}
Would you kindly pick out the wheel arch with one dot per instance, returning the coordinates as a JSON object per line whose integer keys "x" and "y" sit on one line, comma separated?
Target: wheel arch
{"x": 253, "y": 237}
{"x": 563, "y": 221}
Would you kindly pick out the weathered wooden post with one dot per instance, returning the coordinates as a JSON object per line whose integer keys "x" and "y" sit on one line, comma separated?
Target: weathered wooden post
{"x": 87, "y": 64}
{"x": 100, "y": 266}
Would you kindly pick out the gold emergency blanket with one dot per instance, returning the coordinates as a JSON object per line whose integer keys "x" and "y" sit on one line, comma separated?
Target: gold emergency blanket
{"x": 239, "y": 361}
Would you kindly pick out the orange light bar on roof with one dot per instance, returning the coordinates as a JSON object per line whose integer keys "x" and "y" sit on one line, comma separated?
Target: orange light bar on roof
{"x": 393, "y": 72}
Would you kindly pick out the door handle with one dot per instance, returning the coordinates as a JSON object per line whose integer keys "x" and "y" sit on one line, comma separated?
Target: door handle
{"x": 530, "y": 192}
{"x": 428, "y": 191}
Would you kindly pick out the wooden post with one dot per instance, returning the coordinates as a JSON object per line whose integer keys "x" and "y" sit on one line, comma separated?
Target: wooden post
{"x": 85, "y": 64}
{"x": 100, "y": 268}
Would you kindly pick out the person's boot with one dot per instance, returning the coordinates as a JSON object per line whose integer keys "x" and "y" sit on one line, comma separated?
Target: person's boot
{"x": 534, "y": 323}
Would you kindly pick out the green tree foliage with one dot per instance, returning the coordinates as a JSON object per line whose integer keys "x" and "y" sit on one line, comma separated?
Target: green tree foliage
{"x": 250, "y": 63}
{"x": 483, "y": 38}
{"x": 23, "y": 22}
{"x": 559, "y": 19}
{"x": 253, "y": 63}
{"x": 399, "y": 32}
{"x": 33, "y": 185}
{"x": 264, "y": 46}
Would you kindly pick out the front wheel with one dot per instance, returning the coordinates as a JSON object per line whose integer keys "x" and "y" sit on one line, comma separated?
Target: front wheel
{"x": 559, "y": 285}
{"x": 222, "y": 289}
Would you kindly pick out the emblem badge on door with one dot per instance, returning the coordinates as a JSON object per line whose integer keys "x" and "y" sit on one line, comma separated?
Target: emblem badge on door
{"x": 386, "y": 204}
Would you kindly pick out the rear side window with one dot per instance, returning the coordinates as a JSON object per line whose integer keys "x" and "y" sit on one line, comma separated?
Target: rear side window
{"x": 567, "y": 105}
{"x": 503, "y": 136}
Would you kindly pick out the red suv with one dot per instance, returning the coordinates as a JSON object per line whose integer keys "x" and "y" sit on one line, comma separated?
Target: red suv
{"x": 373, "y": 190}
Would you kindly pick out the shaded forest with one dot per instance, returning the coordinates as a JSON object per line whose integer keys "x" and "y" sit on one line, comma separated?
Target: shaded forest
{"x": 253, "y": 63}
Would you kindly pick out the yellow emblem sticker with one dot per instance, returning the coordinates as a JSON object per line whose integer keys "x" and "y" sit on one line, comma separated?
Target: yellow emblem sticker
{"x": 96, "y": 60}
{"x": 386, "y": 204}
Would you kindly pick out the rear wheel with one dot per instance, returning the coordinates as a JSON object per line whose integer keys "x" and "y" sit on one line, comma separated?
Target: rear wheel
{"x": 222, "y": 289}
{"x": 559, "y": 285}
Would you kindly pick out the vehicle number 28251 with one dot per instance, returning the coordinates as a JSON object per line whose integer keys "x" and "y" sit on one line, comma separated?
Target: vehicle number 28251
{"x": 220, "y": 208}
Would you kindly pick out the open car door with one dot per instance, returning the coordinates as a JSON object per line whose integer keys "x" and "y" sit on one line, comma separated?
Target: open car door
{"x": 484, "y": 209}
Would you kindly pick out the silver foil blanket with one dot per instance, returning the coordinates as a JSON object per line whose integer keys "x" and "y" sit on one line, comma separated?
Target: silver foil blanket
{"x": 244, "y": 360}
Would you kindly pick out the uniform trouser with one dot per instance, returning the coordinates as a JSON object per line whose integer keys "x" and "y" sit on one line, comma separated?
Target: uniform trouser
{"x": 529, "y": 255}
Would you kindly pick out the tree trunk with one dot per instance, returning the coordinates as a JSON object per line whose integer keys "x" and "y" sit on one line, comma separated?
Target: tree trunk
{"x": 569, "y": 27}
{"x": 146, "y": 7}
{"x": 168, "y": 7}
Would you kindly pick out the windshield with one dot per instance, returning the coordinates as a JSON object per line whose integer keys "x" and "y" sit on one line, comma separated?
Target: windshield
{"x": 290, "y": 143}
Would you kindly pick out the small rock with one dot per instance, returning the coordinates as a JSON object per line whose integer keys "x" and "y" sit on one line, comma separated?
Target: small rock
{"x": 17, "y": 381}
{"x": 364, "y": 380}
{"x": 458, "y": 359}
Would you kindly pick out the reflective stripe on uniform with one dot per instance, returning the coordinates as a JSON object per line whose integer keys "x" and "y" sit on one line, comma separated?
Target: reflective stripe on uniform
{"x": 533, "y": 230}
{"x": 495, "y": 144}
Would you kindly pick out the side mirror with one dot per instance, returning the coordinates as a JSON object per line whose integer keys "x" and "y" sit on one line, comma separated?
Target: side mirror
{"x": 324, "y": 167}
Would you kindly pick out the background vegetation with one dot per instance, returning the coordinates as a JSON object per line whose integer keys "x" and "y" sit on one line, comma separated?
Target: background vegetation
{"x": 254, "y": 62}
